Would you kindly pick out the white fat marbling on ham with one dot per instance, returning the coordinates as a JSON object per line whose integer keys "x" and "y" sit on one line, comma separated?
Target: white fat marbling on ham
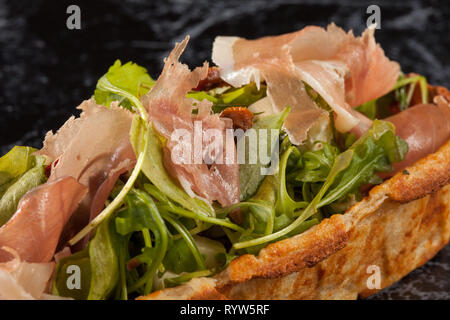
{"x": 170, "y": 110}
{"x": 21, "y": 280}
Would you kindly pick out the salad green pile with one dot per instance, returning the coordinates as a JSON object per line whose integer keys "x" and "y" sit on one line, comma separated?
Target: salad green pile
{"x": 152, "y": 234}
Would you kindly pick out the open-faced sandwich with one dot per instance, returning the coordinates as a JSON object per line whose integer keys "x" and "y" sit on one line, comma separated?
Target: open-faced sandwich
{"x": 297, "y": 168}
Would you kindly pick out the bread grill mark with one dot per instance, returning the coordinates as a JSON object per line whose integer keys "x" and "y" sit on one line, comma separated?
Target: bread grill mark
{"x": 400, "y": 226}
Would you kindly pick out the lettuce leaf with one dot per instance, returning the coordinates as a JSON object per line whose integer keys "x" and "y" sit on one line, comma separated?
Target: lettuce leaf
{"x": 129, "y": 77}
{"x": 13, "y": 164}
{"x": 20, "y": 171}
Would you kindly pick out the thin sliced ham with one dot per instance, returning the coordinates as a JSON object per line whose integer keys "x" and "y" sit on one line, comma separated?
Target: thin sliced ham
{"x": 21, "y": 280}
{"x": 345, "y": 70}
{"x": 425, "y": 127}
{"x": 95, "y": 149}
{"x": 170, "y": 110}
{"x": 35, "y": 228}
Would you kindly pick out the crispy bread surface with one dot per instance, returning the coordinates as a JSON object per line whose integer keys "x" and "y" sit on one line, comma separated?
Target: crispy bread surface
{"x": 398, "y": 227}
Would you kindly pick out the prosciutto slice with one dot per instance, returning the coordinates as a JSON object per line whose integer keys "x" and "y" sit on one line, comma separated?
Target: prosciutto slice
{"x": 94, "y": 149}
{"x": 21, "y": 280}
{"x": 34, "y": 230}
{"x": 171, "y": 111}
{"x": 425, "y": 127}
{"x": 345, "y": 70}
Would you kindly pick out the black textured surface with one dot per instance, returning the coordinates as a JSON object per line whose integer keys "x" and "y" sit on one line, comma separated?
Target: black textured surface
{"x": 46, "y": 70}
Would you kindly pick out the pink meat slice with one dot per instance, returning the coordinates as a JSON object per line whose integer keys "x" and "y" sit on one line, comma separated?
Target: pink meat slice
{"x": 20, "y": 280}
{"x": 34, "y": 230}
{"x": 345, "y": 70}
{"x": 425, "y": 127}
{"x": 170, "y": 110}
{"x": 94, "y": 149}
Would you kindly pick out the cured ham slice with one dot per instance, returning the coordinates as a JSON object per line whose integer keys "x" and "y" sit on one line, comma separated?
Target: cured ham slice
{"x": 21, "y": 280}
{"x": 170, "y": 110}
{"x": 345, "y": 70}
{"x": 425, "y": 127}
{"x": 95, "y": 149}
{"x": 34, "y": 230}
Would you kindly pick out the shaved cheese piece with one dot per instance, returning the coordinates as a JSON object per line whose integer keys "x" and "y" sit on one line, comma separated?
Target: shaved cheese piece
{"x": 346, "y": 71}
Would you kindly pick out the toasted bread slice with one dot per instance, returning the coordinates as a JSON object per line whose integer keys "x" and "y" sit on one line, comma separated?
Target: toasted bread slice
{"x": 402, "y": 224}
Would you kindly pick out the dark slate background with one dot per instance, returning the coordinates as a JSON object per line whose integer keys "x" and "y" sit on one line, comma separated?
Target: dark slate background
{"x": 46, "y": 70}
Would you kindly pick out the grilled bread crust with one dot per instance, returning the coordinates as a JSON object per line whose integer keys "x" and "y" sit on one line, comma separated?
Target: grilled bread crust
{"x": 398, "y": 227}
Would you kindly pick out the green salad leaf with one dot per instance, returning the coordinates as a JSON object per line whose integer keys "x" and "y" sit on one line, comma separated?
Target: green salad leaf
{"x": 373, "y": 152}
{"x": 13, "y": 164}
{"x": 72, "y": 276}
{"x": 315, "y": 165}
{"x": 104, "y": 261}
{"x": 250, "y": 175}
{"x": 95, "y": 268}
{"x": 221, "y": 99}
{"x": 153, "y": 254}
{"x": 20, "y": 171}
{"x": 179, "y": 258}
{"x": 129, "y": 77}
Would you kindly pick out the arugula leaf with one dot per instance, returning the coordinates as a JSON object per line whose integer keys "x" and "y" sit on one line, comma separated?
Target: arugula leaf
{"x": 152, "y": 255}
{"x": 316, "y": 164}
{"x": 129, "y": 77}
{"x": 188, "y": 241}
{"x": 285, "y": 204}
{"x": 134, "y": 218}
{"x": 242, "y": 97}
{"x": 179, "y": 258}
{"x": 375, "y": 151}
{"x": 250, "y": 175}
